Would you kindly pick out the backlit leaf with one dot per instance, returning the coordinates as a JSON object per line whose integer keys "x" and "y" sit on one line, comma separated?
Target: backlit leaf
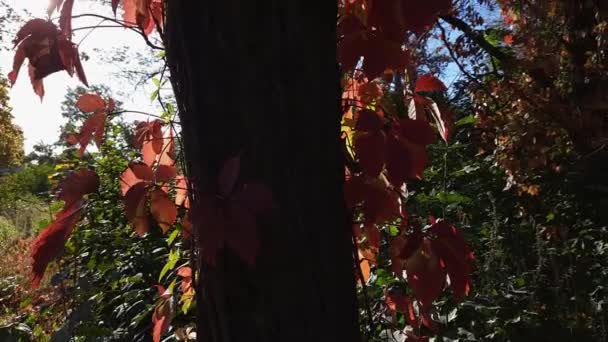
{"x": 163, "y": 209}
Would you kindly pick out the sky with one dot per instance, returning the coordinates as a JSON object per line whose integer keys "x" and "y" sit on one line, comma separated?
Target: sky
{"x": 40, "y": 120}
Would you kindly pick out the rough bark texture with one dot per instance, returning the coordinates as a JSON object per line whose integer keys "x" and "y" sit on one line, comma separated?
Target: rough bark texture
{"x": 260, "y": 77}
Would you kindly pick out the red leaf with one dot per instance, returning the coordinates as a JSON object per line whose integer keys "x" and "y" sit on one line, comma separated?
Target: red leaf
{"x": 47, "y": 49}
{"x": 148, "y": 153}
{"x": 404, "y": 161}
{"x": 373, "y": 235}
{"x": 37, "y": 29}
{"x": 68, "y": 55}
{"x": 379, "y": 53}
{"x": 163, "y": 209}
{"x": 398, "y": 162}
{"x": 79, "y": 70}
{"x": 186, "y": 273}
{"x": 397, "y": 302}
{"x": 17, "y": 62}
{"x": 181, "y": 191}
{"x": 135, "y": 205}
{"x": 115, "y": 6}
{"x": 368, "y": 120}
{"x": 425, "y": 275}
{"x": 51, "y": 240}
{"x": 429, "y": 83}
{"x": 149, "y": 136}
{"x": 229, "y": 175}
{"x": 369, "y": 92}
{"x": 77, "y": 184}
{"x": 94, "y": 125}
{"x": 142, "y": 171}
{"x": 418, "y": 132}
{"x": 232, "y": 222}
{"x": 36, "y": 83}
{"x": 401, "y": 248}
{"x": 90, "y": 103}
{"x": 143, "y": 13}
{"x": 65, "y": 19}
{"x": 127, "y": 180}
{"x": 348, "y": 25}
{"x": 451, "y": 247}
{"x": 380, "y": 204}
{"x": 165, "y": 173}
{"x": 395, "y": 17}
{"x": 167, "y": 157}
{"x": 162, "y": 315}
{"x": 369, "y": 150}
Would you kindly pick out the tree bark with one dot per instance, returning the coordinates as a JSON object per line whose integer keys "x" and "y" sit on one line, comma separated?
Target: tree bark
{"x": 260, "y": 78}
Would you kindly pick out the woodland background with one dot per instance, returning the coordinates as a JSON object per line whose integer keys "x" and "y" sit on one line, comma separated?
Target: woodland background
{"x": 521, "y": 171}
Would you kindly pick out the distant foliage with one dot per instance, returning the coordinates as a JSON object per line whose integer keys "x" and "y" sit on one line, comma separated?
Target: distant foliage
{"x": 11, "y": 136}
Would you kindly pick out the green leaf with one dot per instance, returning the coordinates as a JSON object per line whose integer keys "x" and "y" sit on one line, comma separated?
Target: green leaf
{"x": 467, "y": 120}
{"x": 172, "y": 237}
{"x": 173, "y": 258}
{"x": 170, "y": 108}
{"x": 154, "y": 95}
{"x": 452, "y": 198}
{"x": 156, "y": 82}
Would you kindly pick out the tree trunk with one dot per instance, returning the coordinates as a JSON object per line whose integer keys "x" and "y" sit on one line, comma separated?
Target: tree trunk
{"x": 260, "y": 78}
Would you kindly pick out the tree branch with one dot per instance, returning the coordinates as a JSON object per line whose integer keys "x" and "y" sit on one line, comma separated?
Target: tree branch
{"x": 477, "y": 38}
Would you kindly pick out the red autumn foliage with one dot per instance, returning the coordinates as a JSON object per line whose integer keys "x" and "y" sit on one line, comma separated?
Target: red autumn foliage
{"x": 77, "y": 184}
{"x": 163, "y": 313}
{"x": 429, "y": 83}
{"x": 379, "y": 204}
{"x": 149, "y": 137}
{"x": 402, "y": 149}
{"x": 145, "y": 14}
{"x": 378, "y": 52}
{"x": 163, "y": 209}
{"x": 390, "y": 151}
{"x": 229, "y": 217}
{"x": 48, "y": 50}
{"x": 428, "y": 257}
{"x": 140, "y": 182}
{"x": 394, "y": 17}
{"x": 94, "y": 126}
{"x": 51, "y": 240}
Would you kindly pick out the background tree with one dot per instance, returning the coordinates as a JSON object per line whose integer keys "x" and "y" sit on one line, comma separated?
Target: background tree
{"x": 11, "y": 136}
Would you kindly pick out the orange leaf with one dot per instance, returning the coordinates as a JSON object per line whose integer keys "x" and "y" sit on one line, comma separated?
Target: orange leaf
{"x": 127, "y": 180}
{"x": 142, "y": 171}
{"x": 165, "y": 173}
{"x": 90, "y": 103}
{"x": 163, "y": 209}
